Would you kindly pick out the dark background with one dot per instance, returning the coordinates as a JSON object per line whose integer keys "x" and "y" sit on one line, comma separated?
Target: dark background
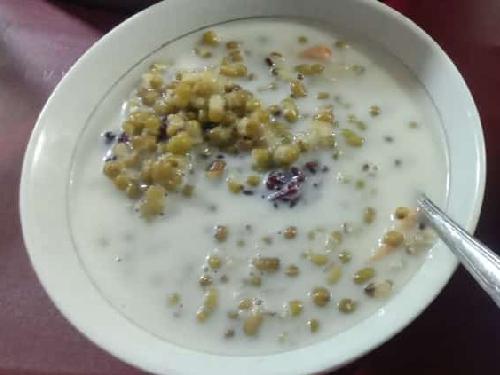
{"x": 39, "y": 40}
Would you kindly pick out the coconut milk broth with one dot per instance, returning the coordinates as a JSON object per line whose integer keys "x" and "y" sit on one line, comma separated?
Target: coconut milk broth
{"x": 138, "y": 264}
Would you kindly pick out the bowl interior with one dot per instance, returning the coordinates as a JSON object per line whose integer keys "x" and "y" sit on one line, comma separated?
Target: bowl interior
{"x": 47, "y": 164}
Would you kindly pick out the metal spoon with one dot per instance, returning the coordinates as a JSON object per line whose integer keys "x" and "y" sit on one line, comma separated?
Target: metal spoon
{"x": 482, "y": 263}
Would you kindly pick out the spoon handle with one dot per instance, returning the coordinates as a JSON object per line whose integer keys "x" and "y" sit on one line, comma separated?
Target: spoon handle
{"x": 482, "y": 263}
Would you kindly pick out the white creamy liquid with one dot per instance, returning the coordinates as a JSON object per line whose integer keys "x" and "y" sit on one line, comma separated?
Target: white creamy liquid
{"x": 137, "y": 264}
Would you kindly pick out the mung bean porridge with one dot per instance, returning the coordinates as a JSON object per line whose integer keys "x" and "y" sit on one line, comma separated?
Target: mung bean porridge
{"x": 257, "y": 193}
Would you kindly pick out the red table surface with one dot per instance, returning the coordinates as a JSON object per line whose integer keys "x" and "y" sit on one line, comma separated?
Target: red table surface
{"x": 459, "y": 333}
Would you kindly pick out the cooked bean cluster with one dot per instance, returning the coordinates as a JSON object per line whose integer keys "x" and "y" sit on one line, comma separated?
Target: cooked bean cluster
{"x": 207, "y": 109}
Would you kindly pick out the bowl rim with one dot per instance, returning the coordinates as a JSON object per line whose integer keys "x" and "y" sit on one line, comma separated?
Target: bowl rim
{"x": 191, "y": 361}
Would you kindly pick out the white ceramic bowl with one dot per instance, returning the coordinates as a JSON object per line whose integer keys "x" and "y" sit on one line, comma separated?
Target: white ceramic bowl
{"x": 46, "y": 175}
